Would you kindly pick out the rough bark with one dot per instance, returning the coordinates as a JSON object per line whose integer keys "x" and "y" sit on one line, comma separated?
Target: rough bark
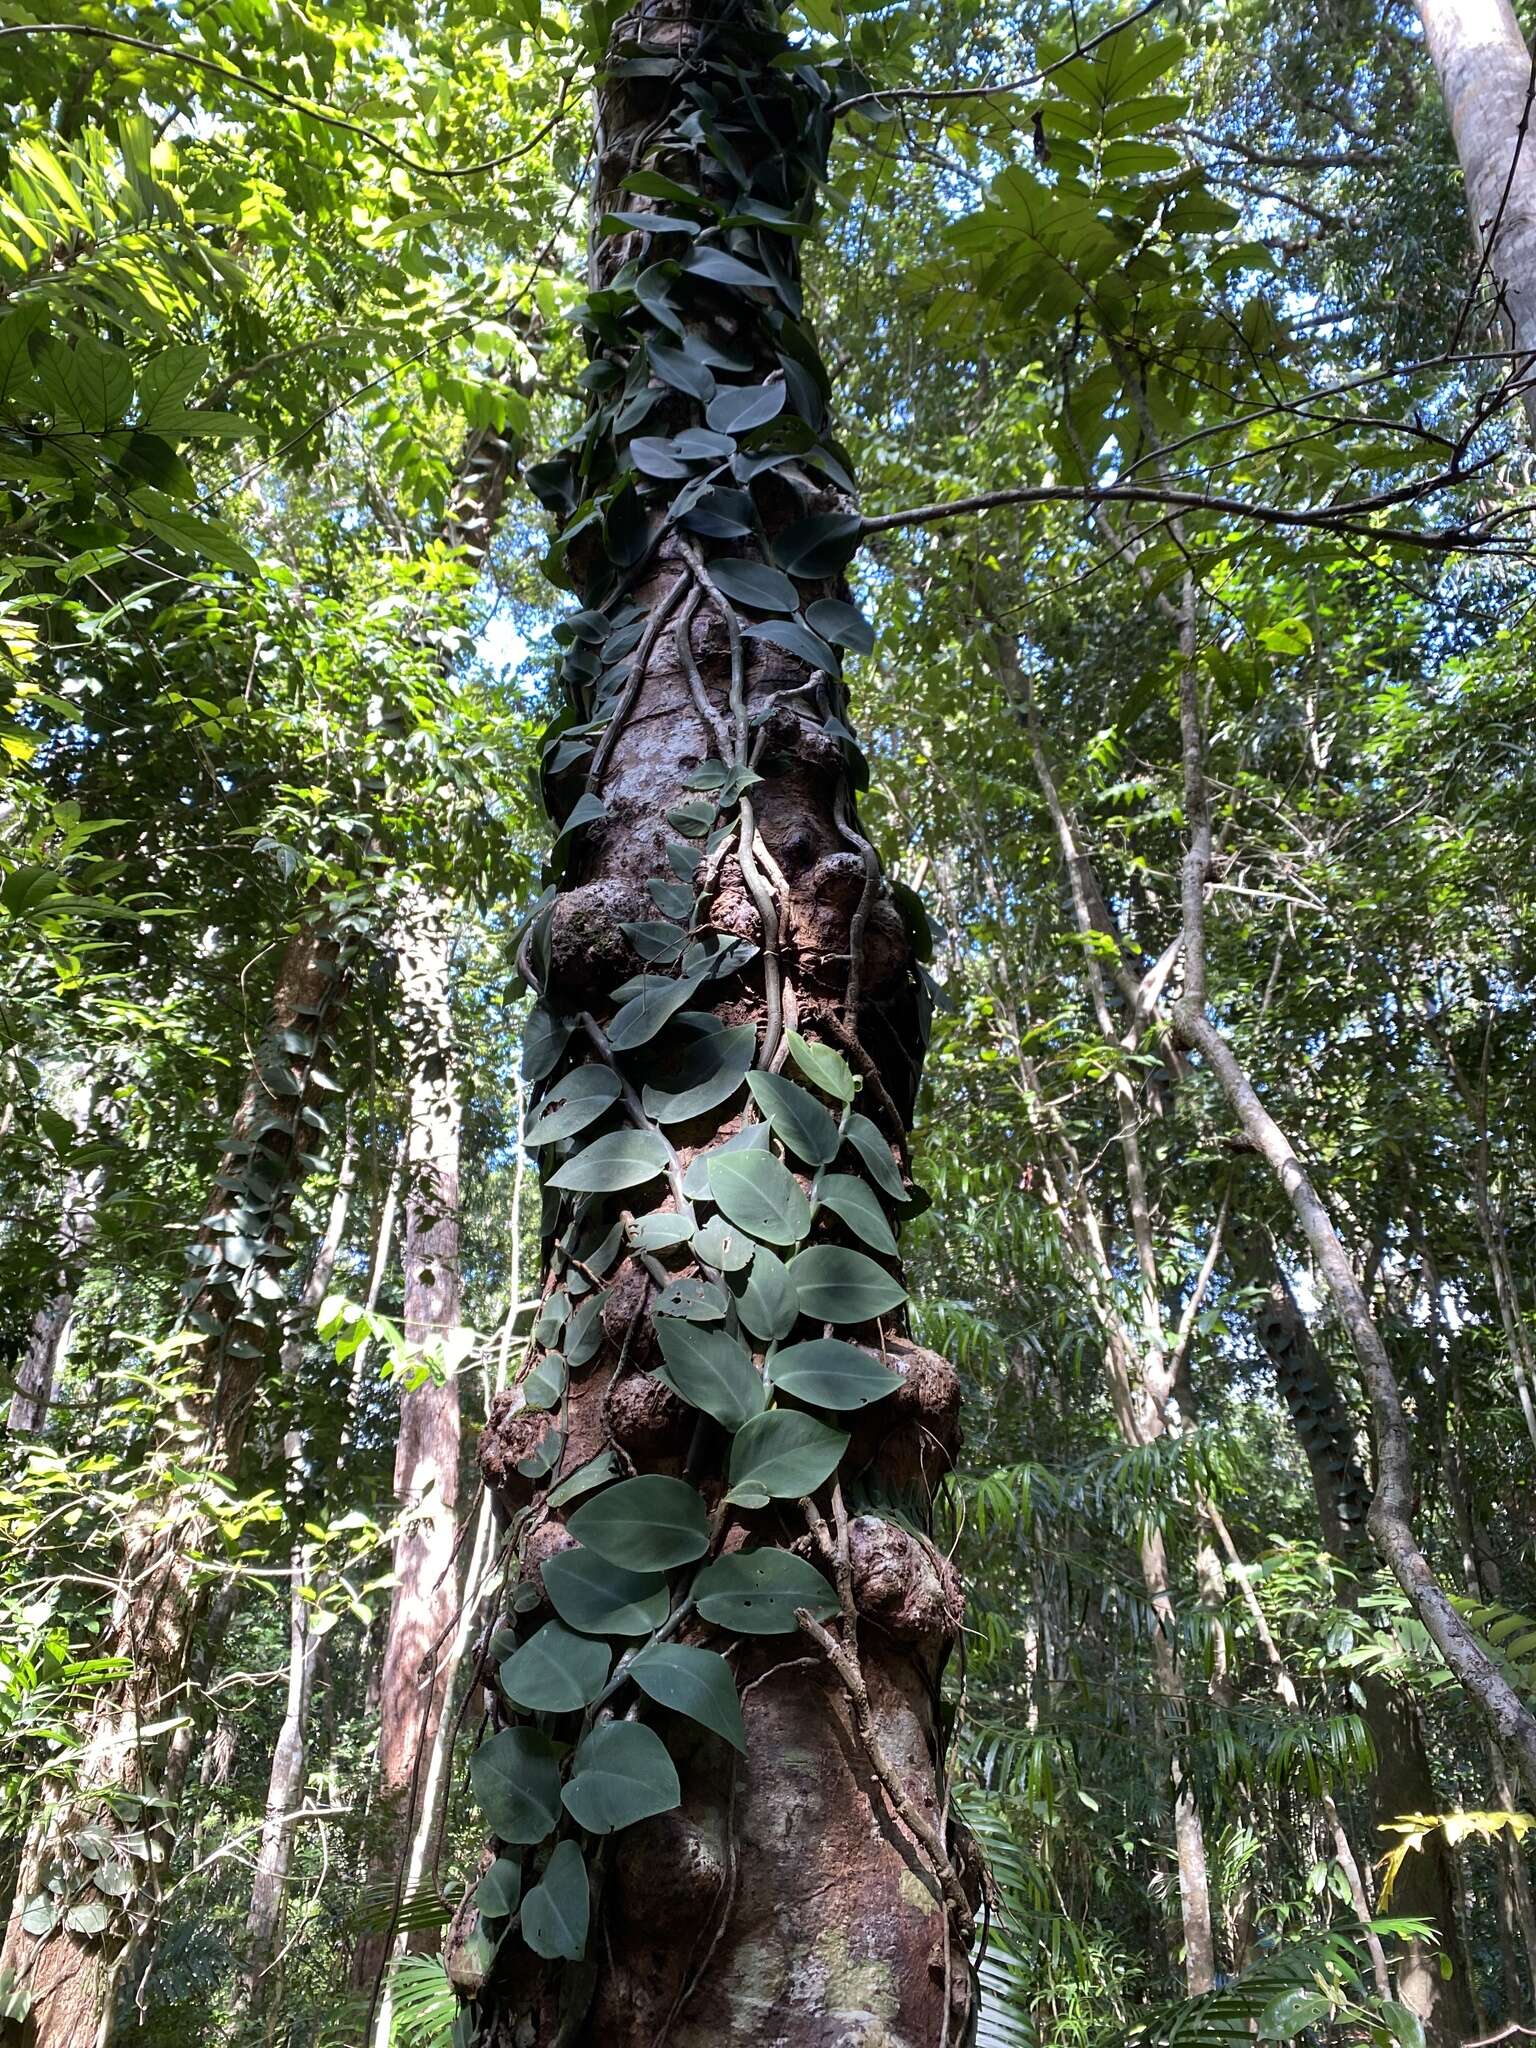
{"x": 1484, "y": 68}
{"x": 803, "y": 1893}
{"x": 72, "y": 1972}
{"x": 415, "y": 1672}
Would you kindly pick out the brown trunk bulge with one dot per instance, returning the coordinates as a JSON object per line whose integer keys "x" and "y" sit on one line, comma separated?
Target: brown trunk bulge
{"x": 802, "y": 1893}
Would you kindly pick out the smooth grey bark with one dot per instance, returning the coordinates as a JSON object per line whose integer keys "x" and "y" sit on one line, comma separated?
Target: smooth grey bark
{"x": 1484, "y": 68}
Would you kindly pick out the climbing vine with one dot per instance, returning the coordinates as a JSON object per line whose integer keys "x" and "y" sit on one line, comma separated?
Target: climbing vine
{"x": 698, "y": 1068}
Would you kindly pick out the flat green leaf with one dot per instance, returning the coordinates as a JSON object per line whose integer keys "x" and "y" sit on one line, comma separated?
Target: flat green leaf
{"x": 653, "y": 288}
{"x": 499, "y": 1890}
{"x": 723, "y": 1246}
{"x": 556, "y": 1671}
{"x": 661, "y": 997}
{"x": 546, "y": 1453}
{"x": 757, "y": 1192}
{"x": 650, "y": 1524}
{"x": 795, "y": 639}
{"x": 545, "y": 1037}
{"x": 820, "y": 546}
{"x": 602, "y": 1599}
{"x": 558, "y": 1911}
{"x": 855, "y": 1203}
{"x": 831, "y": 1374}
{"x": 620, "y": 1774}
{"x": 594, "y": 1473}
{"x": 694, "y": 1682}
{"x": 871, "y": 1147}
{"x": 692, "y": 1300}
{"x": 711, "y": 1372}
{"x": 754, "y": 583}
{"x": 1286, "y": 2016}
{"x": 622, "y": 1159}
{"x": 720, "y": 267}
{"x": 796, "y": 1116}
{"x": 823, "y": 1066}
{"x": 544, "y": 1385}
{"x": 662, "y": 1232}
{"x": 766, "y": 1301}
{"x": 836, "y": 1285}
{"x": 756, "y": 1592}
{"x": 783, "y": 1454}
{"x": 515, "y": 1777}
{"x": 576, "y": 1100}
{"x": 842, "y": 624}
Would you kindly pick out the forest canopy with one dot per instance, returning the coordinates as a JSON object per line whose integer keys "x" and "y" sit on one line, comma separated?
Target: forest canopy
{"x": 767, "y": 1243}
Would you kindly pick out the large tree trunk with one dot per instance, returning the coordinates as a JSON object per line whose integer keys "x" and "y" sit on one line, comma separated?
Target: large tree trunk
{"x": 800, "y": 1889}
{"x": 1401, "y": 1779}
{"x": 1484, "y": 68}
{"x": 68, "y": 1938}
{"x": 416, "y": 1666}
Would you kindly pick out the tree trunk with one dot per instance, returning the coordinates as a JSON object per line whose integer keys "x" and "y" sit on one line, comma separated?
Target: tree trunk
{"x": 285, "y": 1782}
{"x": 801, "y": 1887}
{"x": 53, "y": 1324}
{"x": 68, "y": 1962}
{"x": 1484, "y": 68}
{"x": 1401, "y": 1779}
{"x": 415, "y": 1672}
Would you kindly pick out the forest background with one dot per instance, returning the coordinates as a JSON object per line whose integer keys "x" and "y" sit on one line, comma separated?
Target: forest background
{"x": 1205, "y": 303}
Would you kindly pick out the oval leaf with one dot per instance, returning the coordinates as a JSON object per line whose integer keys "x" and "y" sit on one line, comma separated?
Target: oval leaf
{"x": 556, "y": 1671}
{"x": 558, "y": 1911}
{"x": 650, "y": 1524}
{"x": 795, "y": 639}
{"x": 621, "y": 1774}
{"x": 701, "y": 1075}
{"x": 855, "y": 1203}
{"x": 697, "y": 1683}
{"x": 602, "y": 1599}
{"x": 832, "y": 1374}
{"x": 737, "y": 408}
{"x": 867, "y": 1141}
{"x": 757, "y": 1192}
{"x": 623, "y": 1159}
{"x": 783, "y": 1454}
{"x": 576, "y": 1100}
{"x": 756, "y": 1592}
{"x": 836, "y": 1285}
{"x": 796, "y": 1116}
{"x": 766, "y": 1301}
{"x": 823, "y": 1066}
{"x": 754, "y": 583}
{"x": 516, "y": 1782}
{"x": 711, "y": 1372}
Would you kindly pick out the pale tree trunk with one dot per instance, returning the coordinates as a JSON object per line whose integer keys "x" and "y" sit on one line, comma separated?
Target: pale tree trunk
{"x": 53, "y": 1325}
{"x": 803, "y": 1889}
{"x": 70, "y": 1959}
{"x": 416, "y": 1672}
{"x": 285, "y": 1783}
{"x": 1484, "y": 68}
{"x": 1401, "y": 1779}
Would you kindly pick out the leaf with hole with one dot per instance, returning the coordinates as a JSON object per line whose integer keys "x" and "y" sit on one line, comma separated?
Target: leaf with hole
{"x": 756, "y": 1592}
{"x": 558, "y": 1911}
{"x": 556, "y": 1671}
{"x": 691, "y": 1300}
{"x": 515, "y": 1778}
{"x": 823, "y": 1066}
{"x": 759, "y": 1193}
{"x": 856, "y": 1204}
{"x": 499, "y": 1890}
{"x": 831, "y": 1374}
{"x": 710, "y": 1371}
{"x": 576, "y": 1100}
{"x": 796, "y": 1116}
{"x": 766, "y": 1302}
{"x": 795, "y": 639}
{"x": 754, "y": 583}
{"x": 649, "y": 1524}
{"x": 867, "y": 1141}
{"x": 781, "y": 1455}
{"x": 820, "y": 546}
{"x": 836, "y": 1285}
{"x": 620, "y": 1774}
{"x": 694, "y": 1682}
{"x": 602, "y": 1599}
{"x": 737, "y": 408}
{"x": 623, "y": 1159}
{"x": 661, "y": 1232}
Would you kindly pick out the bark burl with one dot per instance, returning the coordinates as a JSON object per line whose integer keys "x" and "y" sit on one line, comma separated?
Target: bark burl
{"x": 804, "y": 1890}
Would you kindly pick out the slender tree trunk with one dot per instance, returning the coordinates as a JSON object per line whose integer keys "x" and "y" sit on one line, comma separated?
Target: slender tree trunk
{"x": 285, "y": 1783}
{"x": 1484, "y": 68}
{"x": 61, "y": 1952}
{"x": 801, "y": 1889}
{"x": 416, "y": 1669}
{"x": 53, "y": 1324}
